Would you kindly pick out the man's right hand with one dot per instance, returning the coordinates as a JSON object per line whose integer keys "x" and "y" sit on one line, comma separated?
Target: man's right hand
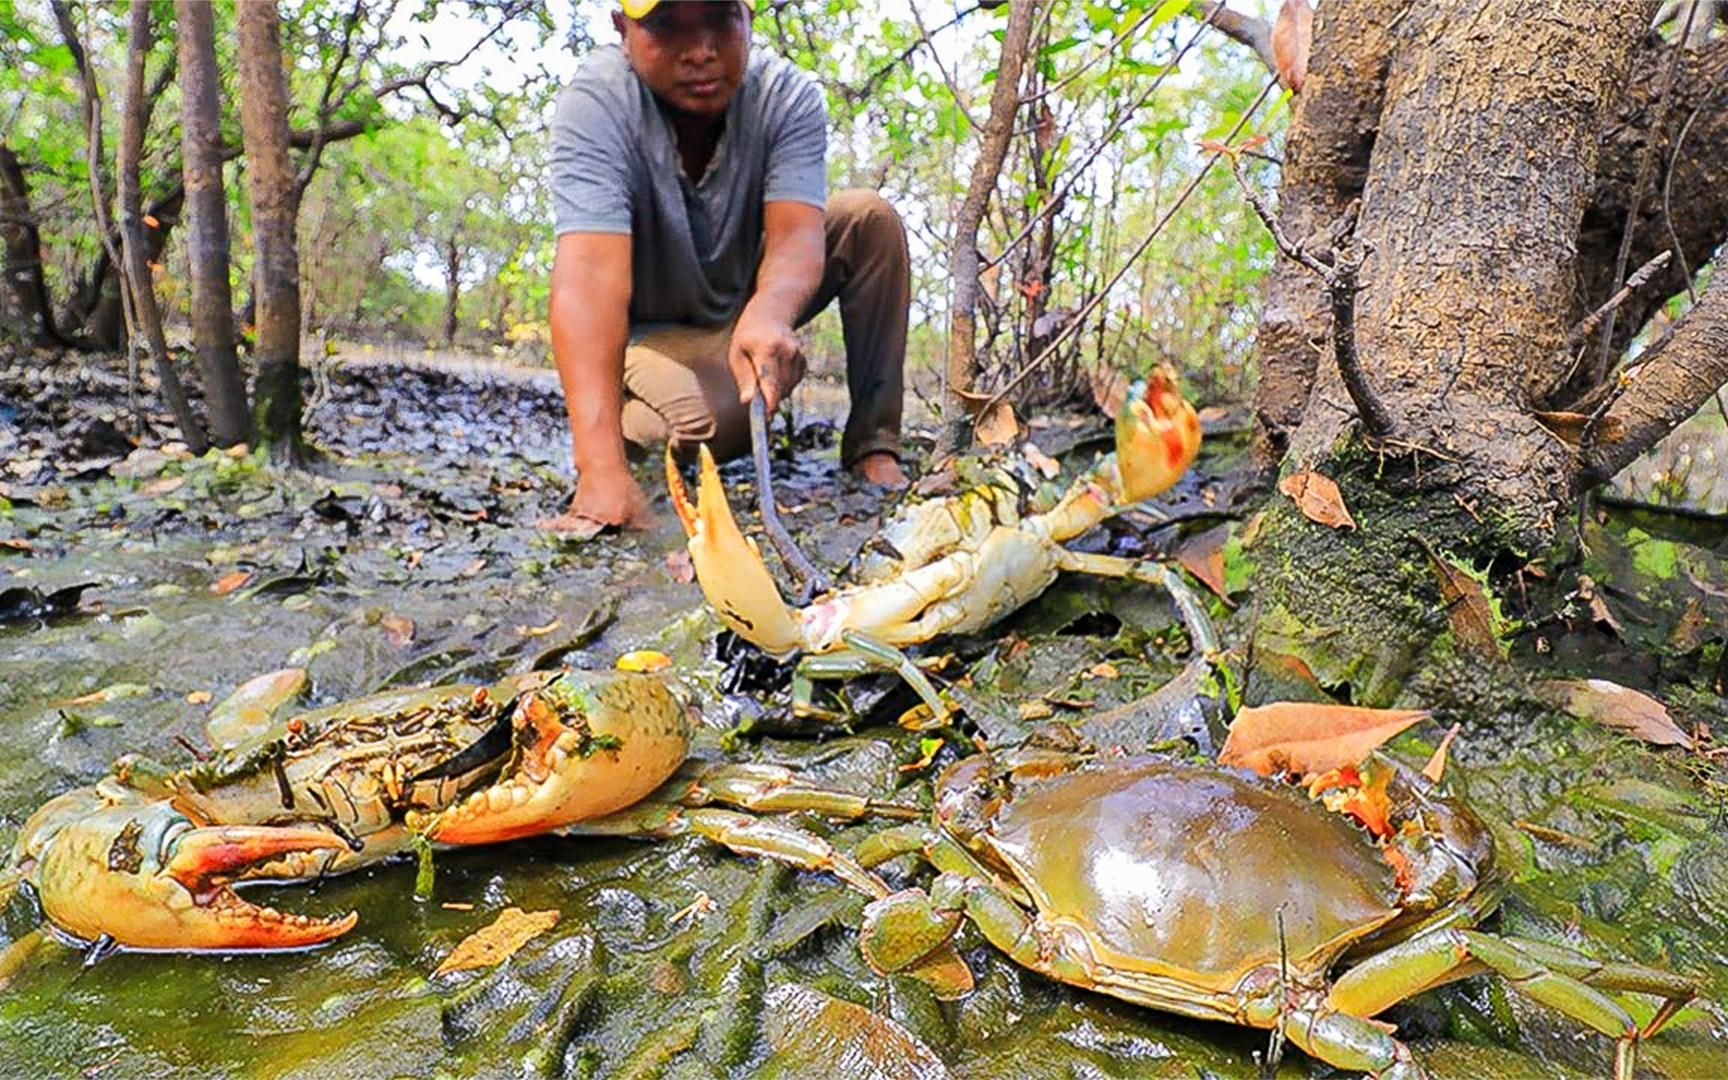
{"x": 602, "y": 499}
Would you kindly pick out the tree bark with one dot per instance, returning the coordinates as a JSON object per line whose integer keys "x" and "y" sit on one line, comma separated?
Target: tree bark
{"x": 31, "y": 310}
{"x": 201, "y": 157}
{"x": 963, "y": 252}
{"x": 276, "y": 265}
{"x": 133, "y": 243}
{"x": 1476, "y": 159}
{"x": 452, "y": 287}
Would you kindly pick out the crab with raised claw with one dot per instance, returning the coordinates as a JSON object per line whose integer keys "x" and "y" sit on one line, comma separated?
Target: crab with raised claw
{"x": 958, "y": 564}
{"x": 148, "y": 857}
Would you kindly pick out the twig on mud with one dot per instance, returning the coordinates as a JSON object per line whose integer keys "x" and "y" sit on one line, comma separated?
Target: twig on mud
{"x": 1637, "y": 281}
{"x": 1337, "y": 267}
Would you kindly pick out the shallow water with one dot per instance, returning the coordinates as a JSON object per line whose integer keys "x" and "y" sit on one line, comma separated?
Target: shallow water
{"x": 1609, "y": 842}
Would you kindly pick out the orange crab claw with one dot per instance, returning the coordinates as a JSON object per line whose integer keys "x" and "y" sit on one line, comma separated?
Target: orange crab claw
{"x": 728, "y": 565}
{"x": 587, "y": 744}
{"x": 142, "y": 875}
{"x": 1157, "y": 437}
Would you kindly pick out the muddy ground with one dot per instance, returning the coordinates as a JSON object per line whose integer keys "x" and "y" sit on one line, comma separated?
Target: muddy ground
{"x": 141, "y": 588}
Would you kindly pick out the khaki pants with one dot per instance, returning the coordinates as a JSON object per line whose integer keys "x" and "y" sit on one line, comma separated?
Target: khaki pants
{"x": 678, "y": 386}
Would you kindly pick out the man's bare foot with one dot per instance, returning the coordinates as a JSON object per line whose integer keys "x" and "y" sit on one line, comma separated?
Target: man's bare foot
{"x": 880, "y": 468}
{"x": 574, "y": 526}
{"x": 604, "y": 501}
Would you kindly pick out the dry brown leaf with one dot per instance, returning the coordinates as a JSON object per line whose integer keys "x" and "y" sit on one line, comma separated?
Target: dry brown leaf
{"x": 1292, "y": 35}
{"x": 1109, "y": 389}
{"x": 679, "y": 567}
{"x": 150, "y": 220}
{"x": 494, "y": 944}
{"x": 1036, "y": 710}
{"x": 1600, "y": 613}
{"x": 1295, "y": 737}
{"x": 163, "y": 485}
{"x": 1044, "y": 463}
{"x": 398, "y": 629}
{"x": 1203, "y": 556}
{"x": 1103, "y": 669}
{"x": 993, "y": 425}
{"x": 474, "y": 567}
{"x": 1689, "y": 630}
{"x": 1569, "y": 427}
{"x": 199, "y": 697}
{"x": 1467, "y": 608}
{"x": 540, "y": 631}
{"x": 227, "y": 583}
{"x": 12, "y": 543}
{"x": 1318, "y": 498}
{"x": 1618, "y": 707}
{"x": 1436, "y": 767}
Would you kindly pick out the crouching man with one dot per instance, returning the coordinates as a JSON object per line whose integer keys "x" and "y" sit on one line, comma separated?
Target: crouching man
{"x": 695, "y": 234}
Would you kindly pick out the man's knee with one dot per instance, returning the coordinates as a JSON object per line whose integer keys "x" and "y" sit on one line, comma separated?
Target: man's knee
{"x": 868, "y": 213}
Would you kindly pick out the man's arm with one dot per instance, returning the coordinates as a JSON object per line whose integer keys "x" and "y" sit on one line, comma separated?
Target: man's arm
{"x": 590, "y": 317}
{"x": 764, "y": 347}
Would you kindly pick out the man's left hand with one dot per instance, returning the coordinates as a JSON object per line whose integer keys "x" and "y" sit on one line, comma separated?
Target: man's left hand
{"x": 766, "y": 353}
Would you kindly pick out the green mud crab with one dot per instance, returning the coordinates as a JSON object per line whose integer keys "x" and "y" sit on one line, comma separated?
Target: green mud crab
{"x": 1214, "y": 893}
{"x": 949, "y": 565}
{"x": 147, "y": 857}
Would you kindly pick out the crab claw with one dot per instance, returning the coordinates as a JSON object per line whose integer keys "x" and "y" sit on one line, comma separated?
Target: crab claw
{"x": 142, "y": 875}
{"x": 728, "y": 565}
{"x": 586, "y": 744}
{"x": 1157, "y": 436}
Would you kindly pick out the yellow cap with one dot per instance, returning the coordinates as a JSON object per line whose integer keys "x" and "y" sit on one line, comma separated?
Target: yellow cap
{"x": 637, "y": 9}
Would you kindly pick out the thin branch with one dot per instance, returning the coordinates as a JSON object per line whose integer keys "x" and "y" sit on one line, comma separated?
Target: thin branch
{"x": 1095, "y": 57}
{"x": 322, "y": 113}
{"x": 1646, "y": 166}
{"x": 1252, "y": 32}
{"x": 1637, "y": 281}
{"x": 1668, "y": 203}
{"x": 953, "y": 89}
{"x": 863, "y": 91}
{"x": 1128, "y": 264}
{"x": 1081, "y": 167}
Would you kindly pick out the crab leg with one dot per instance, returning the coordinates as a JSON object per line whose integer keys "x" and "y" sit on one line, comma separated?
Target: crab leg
{"x": 1199, "y": 624}
{"x": 1555, "y": 977}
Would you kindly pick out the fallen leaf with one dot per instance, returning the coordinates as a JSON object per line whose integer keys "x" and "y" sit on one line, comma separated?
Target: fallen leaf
{"x": 494, "y": 944}
{"x": 1690, "y": 629}
{"x": 1569, "y": 427}
{"x": 398, "y": 629}
{"x": 1044, "y": 463}
{"x": 1618, "y": 707}
{"x": 1600, "y": 613}
{"x": 997, "y": 426}
{"x": 1436, "y": 767}
{"x": 454, "y": 906}
{"x": 928, "y": 748}
{"x": 199, "y": 697}
{"x": 540, "y": 631}
{"x": 472, "y": 568}
{"x": 252, "y": 706}
{"x": 1036, "y": 710}
{"x": 150, "y": 220}
{"x": 813, "y": 1034}
{"x": 227, "y": 583}
{"x": 1318, "y": 498}
{"x": 1103, "y": 669}
{"x": 116, "y": 692}
{"x": 163, "y": 485}
{"x": 1203, "y": 556}
{"x": 679, "y": 567}
{"x": 1301, "y": 738}
{"x": 13, "y": 543}
{"x": 1467, "y": 609}
{"x": 1292, "y": 36}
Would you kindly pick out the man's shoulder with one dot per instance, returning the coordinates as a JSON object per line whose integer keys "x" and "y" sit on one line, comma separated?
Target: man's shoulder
{"x": 602, "y": 78}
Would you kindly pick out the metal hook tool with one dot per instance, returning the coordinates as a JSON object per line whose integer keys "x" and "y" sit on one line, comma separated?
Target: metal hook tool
{"x": 814, "y": 580}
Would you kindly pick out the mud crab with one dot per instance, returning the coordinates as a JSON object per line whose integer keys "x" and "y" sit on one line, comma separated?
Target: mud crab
{"x": 147, "y": 858}
{"x": 948, "y": 565}
{"x": 1216, "y": 894}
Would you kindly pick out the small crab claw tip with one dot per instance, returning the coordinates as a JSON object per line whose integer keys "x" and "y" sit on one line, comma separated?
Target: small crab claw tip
{"x": 224, "y": 851}
{"x": 680, "y": 495}
{"x": 1157, "y": 436}
{"x": 728, "y": 565}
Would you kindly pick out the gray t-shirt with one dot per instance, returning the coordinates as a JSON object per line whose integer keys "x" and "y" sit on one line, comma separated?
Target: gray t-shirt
{"x": 694, "y": 247}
